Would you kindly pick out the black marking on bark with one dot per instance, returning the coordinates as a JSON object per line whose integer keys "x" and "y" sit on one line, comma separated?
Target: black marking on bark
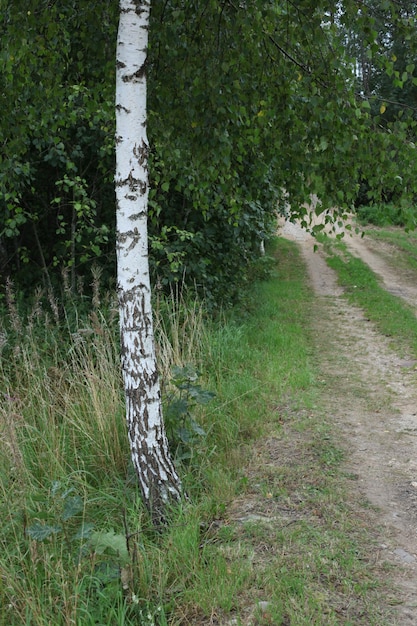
{"x": 146, "y": 418}
{"x": 121, "y": 240}
{"x": 141, "y": 188}
{"x": 135, "y": 236}
{"x": 120, "y": 65}
{"x": 137, "y": 76}
{"x": 156, "y": 490}
{"x": 132, "y": 296}
{"x": 135, "y": 184}
{"x": 141, "y": 153}
{"x": 120, "y": 107}
{"x": 139, "y": 4}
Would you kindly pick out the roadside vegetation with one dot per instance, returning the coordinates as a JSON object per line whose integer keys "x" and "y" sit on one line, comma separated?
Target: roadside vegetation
{"x": 267, "y": 531}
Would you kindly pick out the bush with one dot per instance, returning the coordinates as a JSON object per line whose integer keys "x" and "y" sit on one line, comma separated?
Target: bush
{"x": 381, "y": 215}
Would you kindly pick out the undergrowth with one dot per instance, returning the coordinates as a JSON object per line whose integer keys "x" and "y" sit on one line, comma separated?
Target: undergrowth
{"x": 380, "y": 215}
{"x": 76, "y": 544}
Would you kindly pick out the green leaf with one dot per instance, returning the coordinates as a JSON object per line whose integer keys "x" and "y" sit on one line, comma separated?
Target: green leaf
{"x": 196, "y": 428}
{"x": 323, "y": 144}
{"x": 40, "y": 532}
{"x": 104, "y": 542}
{"x": 84, "y": 532}
{"x": 186, "y": 373}
{"x": 55, "y": 487}
{"x": 202, "y": 396}
{"x": 72, "y": 507}
{"x": 184, "y": 434}
{"x": 177, "y": 408}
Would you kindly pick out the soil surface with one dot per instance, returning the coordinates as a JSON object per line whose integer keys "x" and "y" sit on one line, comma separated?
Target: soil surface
{"x": 372, "y": 393}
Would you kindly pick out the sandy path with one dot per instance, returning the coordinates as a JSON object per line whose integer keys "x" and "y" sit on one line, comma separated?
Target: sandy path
{"x": 372, "y": 393}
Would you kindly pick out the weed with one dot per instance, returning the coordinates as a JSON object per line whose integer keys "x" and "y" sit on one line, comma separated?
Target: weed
{"x": 183, "y": 431}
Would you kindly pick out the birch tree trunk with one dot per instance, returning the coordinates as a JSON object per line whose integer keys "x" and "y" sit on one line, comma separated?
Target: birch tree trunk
{"x": 158, "y": 479}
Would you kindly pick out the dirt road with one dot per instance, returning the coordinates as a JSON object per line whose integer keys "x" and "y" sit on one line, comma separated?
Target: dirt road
{"x": 375, "y": 408}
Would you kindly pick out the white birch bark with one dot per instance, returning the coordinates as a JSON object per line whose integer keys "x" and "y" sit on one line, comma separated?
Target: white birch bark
{"x": 157, "y": 476}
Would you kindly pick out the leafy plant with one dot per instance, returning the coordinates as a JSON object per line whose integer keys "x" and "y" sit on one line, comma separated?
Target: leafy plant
{"x": 105, "y": 549}
{"x": 110, "y": 543}
{"x": 64, "y": 509}
{"x": 183, "y": 430}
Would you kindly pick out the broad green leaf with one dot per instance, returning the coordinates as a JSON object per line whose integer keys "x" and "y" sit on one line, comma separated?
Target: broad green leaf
{"x": 40, "y": 532}
{"x": 197, "y": 429}
{"x": 202, "y": 396}
{"x": 110, "y": 542}
{"x": 72, "y": 507}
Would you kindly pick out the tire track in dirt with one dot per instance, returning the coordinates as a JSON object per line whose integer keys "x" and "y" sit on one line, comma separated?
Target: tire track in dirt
{"x": 372, "y": 394}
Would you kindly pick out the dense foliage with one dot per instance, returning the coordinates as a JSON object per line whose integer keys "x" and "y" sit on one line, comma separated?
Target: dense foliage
{"x": 56, "y": 166}
{"x": 251, "y": 104}
{"x": 386, "y": 77}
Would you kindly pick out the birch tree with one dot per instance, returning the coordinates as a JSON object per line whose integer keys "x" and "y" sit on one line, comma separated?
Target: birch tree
{"x": 158, "y": 479}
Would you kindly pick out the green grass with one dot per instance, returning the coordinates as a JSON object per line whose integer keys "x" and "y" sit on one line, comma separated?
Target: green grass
{"x": 392, "y": 316}
{"x": 405, "y": 244}
{"x": 65, "y": 472}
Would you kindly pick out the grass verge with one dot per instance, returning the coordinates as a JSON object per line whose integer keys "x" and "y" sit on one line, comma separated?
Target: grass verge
{"x": 392, "y": 316}
{"x": 268, "y": 536}
{"x": 403, "y": 243}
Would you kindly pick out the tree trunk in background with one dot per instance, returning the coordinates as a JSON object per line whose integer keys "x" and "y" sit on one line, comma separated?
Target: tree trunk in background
{"x": 158, "y": 479}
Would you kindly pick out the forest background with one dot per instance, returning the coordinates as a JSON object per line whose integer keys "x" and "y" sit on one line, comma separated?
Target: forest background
{"x": 252, "y": 108}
